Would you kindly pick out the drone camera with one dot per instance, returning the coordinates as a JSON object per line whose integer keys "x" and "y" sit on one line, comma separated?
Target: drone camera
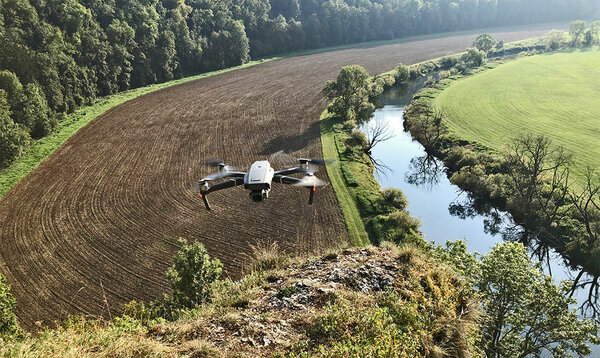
{"x": 259, "y": 195}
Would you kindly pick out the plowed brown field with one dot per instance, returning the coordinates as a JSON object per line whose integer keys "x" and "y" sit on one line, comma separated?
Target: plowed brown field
{"x": 99, "y": 219}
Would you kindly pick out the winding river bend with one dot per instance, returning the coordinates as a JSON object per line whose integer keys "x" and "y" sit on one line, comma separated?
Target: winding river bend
{"x": 430, "y": 194}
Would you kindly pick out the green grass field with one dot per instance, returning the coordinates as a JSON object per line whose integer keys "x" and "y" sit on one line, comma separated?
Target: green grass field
{"x": 557, "y": 95}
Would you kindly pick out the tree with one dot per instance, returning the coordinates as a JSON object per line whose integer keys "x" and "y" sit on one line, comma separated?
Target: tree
{"x": 193, "y": 274}
{"x": 377, "y": 132}
{"x": 484, "y": 42}
{"x": 8, "y": 319}
{"x": 525, "y": 313}
{"x": 474, "y": 57}
{"x": 576, "y": 32}
{"x": 402, "y": 73}
{"x": 538, "y": 175}
{"x": 13, "y": 139}
{"x": 554, "y": 39}
{"x": 350, "y": 94}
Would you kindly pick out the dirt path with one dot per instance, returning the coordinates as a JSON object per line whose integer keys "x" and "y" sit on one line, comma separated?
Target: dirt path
{"x": 101, "y": 216}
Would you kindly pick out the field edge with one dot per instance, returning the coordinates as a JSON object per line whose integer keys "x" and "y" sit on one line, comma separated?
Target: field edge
{"x": 357, "y": 233}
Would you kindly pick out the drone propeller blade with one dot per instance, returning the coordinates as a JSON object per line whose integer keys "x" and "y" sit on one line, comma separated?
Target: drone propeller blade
{"x": 310, "y": 181}
{"x": 213, "y": 162}
{"x": 215, "y": 176}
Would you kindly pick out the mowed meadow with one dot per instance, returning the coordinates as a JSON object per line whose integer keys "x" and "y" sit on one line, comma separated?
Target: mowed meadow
{"x": 552, "y": 94}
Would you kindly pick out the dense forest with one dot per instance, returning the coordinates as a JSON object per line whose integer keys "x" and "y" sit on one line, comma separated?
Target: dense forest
{"x": 58, "y": 55}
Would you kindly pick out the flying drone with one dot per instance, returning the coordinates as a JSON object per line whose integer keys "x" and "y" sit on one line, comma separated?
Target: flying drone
{"x": 260, "y": 177}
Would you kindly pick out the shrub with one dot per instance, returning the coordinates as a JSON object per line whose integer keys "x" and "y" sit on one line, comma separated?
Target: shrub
{"x": 554, "y": 40}
{"x": 484, "y": 42}
{"x": 13, "y": 138}
{"x": 8, "y": 320}
{"x": 448, "y": 62}
{"x": 402, "y": 73}
{"x": 393, "y": 197}
{"x": 193, "y": 274}
{"x": 414, "y": 72}
{"x": 357, "y": 139}
{"x": 474, "y": 57}
{"x": 348, "y": 176}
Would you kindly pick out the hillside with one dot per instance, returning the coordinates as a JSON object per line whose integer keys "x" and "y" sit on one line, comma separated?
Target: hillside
{"x": 363, "y": 301}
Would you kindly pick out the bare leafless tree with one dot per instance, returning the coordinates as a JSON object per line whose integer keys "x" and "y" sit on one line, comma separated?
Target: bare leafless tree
{"x": 377, "y": 132}
{"x": 586, "y": 203}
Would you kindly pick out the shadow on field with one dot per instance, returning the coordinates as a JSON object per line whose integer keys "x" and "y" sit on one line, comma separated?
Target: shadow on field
{"x": 292, "y": 143}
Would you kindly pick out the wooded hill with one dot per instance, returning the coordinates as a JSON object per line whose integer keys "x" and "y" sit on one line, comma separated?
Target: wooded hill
{"x": 58, "y": 55}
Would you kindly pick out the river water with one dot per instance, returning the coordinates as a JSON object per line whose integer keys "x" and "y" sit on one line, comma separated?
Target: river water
{"x": 428, "y": 190}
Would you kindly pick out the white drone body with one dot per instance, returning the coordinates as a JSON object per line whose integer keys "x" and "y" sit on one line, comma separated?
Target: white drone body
{"x": 260, "y": 178}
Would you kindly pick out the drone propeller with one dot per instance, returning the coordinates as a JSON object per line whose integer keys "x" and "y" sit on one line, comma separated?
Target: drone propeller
{"x": 310, "y": 164}
{"x": 309, "y": 181}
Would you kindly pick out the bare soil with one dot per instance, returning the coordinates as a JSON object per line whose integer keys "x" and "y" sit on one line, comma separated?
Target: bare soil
{"x": 96, "y": 224}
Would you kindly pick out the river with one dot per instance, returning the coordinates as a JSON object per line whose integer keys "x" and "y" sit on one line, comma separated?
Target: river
{"x": 428, "y": 190}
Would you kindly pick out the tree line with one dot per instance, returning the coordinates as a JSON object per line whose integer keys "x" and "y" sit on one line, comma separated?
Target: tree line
{"x": 56, "y": 56}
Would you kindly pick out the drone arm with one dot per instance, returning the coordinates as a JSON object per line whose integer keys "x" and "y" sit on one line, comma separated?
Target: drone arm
{"x": 291, "y": 171}
{"x": 224, "y": 185}
{"x": 286, "y": 180}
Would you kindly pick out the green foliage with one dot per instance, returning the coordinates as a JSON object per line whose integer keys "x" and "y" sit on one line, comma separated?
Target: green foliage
{"x": 484, "y": 42}
{"x": 576, "y": 32}
{"x": 13, "y": 139}
{"x": 554, "y": 40}
{"x": 393, "y": 198}
{"x": 286, "y": 291}
{"x": 474, "y": 57}
{"x": 526, "y": 313}
{"x": 192, "y": 275}
{"x": 402, "y": 73}
{"x": 8, "y": 320}
{"x": 349, "y": 178}
{"x": 350, "y": 94}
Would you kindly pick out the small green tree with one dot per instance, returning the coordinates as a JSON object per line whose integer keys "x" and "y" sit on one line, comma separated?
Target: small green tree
{"x": 474, "y": 57}
{"x": 350, "y": 94}
{"x": 526, "y": 314}
{"x": 484, "y": 42}
{"x": 554, "y": 39}
{"x": 193, "y": 274}
{"x": 8, "y": 320}
{"x": 576, "y": 32}
{"x": 13, "y": 139}
{"x": 402, "y": 73}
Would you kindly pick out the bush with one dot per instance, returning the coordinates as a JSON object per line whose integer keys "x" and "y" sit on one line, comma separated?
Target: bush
{"x": 8, "y": 320}
{"x": 474, "y": 57}
{"x": 414, "y": 72}
{"x": 554, "y": 40}
{"x": 193, "y": 275}
{"x": 448, "y": 62}
{"x": 13, "y": 138}
{"x": 394, "y": 198}
{"x": 348, "y": 176}
{"x": 484, "y": 42}
{"x": 357, "y": 139}
{"x": 402, "y": 73}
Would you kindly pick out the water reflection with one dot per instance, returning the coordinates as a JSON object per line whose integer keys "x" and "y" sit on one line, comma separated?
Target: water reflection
{"x": 446, "y": 212}
{"x": 424, "y": 171}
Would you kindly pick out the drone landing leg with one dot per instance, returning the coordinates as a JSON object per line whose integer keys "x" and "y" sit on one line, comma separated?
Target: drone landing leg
{"x": 312, "y": 195}
{"x": 205, "y": 201}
